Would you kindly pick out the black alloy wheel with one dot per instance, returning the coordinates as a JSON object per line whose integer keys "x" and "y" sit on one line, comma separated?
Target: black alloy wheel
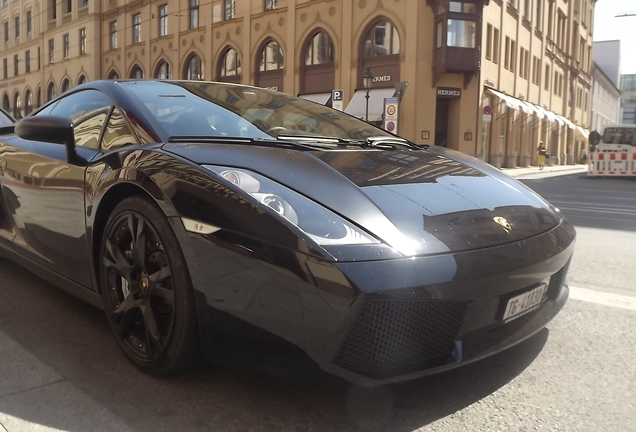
{"x": 146, "y": 289}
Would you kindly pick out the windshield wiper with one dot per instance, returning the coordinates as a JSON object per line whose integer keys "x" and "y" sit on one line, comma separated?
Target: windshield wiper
{"x": 387, "y": 142}
{"x": 265, "y": 142}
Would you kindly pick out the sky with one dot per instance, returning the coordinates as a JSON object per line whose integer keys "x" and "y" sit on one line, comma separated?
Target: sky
{"x": 608, "y": 27}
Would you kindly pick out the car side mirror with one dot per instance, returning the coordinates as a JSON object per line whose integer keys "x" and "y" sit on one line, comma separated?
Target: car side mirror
{"x": 51, "y": 129}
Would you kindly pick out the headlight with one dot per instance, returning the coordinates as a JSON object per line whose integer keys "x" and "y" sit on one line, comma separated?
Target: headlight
{"x": 318, "y": 223}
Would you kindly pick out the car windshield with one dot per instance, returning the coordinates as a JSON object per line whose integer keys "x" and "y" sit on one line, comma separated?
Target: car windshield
{"x": 187, "y": 108}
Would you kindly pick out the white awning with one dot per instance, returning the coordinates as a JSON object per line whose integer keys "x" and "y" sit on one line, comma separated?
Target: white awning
{"x": 554, "y": 117}
{"x": 320, "y": 98}
{"x": 511, "y": 102}
{"x": 536, "y": 109}
{"x": 583, "y": 133}
{"x": 358, "y": 104}
{"x": 567, "y": 122}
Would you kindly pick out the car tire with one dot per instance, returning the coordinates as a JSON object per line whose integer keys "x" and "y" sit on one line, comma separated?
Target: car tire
{"x": 146, "y": 289}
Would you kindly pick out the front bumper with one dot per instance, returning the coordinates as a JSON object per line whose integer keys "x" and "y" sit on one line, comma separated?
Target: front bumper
{"x": 443, "y": 311}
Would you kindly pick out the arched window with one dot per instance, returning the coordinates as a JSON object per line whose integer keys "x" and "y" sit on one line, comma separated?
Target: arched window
{"x": 271, "y": 57}
{"x": 320, "y": 50}
{"x": 194, "y": 68}
{"x": 38, "y": 98}
{"x": 5, "y": 102}
{"x": 270, "y": 66}
{"x": 66, "y": 84}
{"x": 113, "y": 75}
{"x": 230, "y": 66}
{"x": 17, "y": 106}
{"x": 136, "y": 73}
{"x": 382, "y": 39}
{"x": 28, "y": 102}
{"x": 50, "y": 92}
{"x": 163, "y": 70}
{"x": 81, "y": 79}
{"x": 318, "y": 69}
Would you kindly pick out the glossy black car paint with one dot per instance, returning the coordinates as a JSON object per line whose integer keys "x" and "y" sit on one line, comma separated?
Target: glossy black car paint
{"x": 258, "y": 277}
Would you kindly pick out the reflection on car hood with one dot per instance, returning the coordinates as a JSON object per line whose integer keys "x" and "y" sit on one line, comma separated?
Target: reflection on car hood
{"x": 441, "y": 200}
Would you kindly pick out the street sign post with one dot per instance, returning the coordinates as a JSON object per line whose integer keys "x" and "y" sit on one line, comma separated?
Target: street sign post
{"x": 391, "y": 114}
{"x": 337, "y": 99}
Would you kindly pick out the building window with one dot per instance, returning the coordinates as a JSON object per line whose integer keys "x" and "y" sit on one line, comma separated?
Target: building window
{"x": 66, "y": 85}
{"x": 27, "y": 61}
{"x": 489, "y": 41}
{"x": 381, "y": 39}
{"x": 50, "y": 92}
{"x": 28, "y": 23}
{"x": 136, "y": 73}
{"x": 547, "y": 77}
{"x": 550, "y": 19}
{"x": 194, "y": 68}
{"x": 461, "y": 33}
{"x": 5, "y": 102}
{"x": 538, "y": 19}
{"x": 82, "y": 44}
{"x": 51, "y": 50}
{"x": 136, "y": 28}
{"x": 5, "y": 2}
{"x": 5, "y": 68}
{"x": 84, "y": 3}
{"x": 495, "y": 48}
{"x": 163, "y": 71}
{"x": 66, "y": 46}
{"x": 16, "y": 62}
{"x": 113, "y": 75}
{"x": 81, "y": 79}
{"x": 271, "y": 57}
{"x": 230, "y": 9}
{"x": 17, "y": 27}
{"x": 271, "y": 5}
{"x": 52, "y": 9}
{"x": 513, "y": 56}
{"x": 194, "y": 14}
{"x": 28, "y": 102}
{"x": 320, "y": 50}
{"x": 113, "y": 34}
{"x": 230, "y": 64}
{"x": 163, "y": 20}
{"x": 507, "y": 54}
{"x": 6, "y": 33}
{"x": 17, "y": 106}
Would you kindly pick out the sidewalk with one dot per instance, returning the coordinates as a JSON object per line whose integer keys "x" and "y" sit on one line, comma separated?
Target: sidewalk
{"x": 34, "y": 397}
{"x": 533, "y": 170}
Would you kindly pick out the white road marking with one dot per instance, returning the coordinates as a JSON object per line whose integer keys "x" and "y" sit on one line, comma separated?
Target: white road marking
{"x": 603, "y": 298}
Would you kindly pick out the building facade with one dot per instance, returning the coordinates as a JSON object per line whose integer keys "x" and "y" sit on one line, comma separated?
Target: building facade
{"x": 421, "y": 51}
{"x": 605, "y": 100}
{"x": 628, "y": 99}
{"x": 536, "y": 80}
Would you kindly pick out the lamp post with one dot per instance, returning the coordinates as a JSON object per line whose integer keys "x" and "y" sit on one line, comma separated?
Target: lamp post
{"x": 367, "y": 82}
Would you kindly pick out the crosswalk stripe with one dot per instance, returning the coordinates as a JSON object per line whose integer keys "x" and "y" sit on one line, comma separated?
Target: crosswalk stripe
{"x": 603, "y": 298}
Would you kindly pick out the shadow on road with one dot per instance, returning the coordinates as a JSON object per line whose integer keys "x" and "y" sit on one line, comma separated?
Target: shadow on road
{"x": 75, "y": 340}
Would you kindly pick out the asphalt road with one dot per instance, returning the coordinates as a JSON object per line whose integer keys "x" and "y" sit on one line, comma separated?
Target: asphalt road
{"x": 579, "y": 374}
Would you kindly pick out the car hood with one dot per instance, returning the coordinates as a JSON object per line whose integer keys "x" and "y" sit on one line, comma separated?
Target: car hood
{"x": 425, "y": 202}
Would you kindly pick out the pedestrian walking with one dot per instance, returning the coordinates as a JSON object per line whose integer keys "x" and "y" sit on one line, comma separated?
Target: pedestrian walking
{"x": 541, "y": 154}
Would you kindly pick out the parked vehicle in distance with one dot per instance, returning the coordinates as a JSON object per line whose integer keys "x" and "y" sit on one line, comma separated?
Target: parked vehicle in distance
{"x": 199, "y": 214}
{"x": 613, "y": 151}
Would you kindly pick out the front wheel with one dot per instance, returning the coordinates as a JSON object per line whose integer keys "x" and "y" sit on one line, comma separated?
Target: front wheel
{"x": 146, "y": 289}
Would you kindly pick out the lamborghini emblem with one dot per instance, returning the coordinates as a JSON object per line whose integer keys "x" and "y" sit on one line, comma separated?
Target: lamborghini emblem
{"x": 503, "y": 222}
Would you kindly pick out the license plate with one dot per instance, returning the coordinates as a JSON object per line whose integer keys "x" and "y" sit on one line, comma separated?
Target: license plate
{"x": 524, "y": 303}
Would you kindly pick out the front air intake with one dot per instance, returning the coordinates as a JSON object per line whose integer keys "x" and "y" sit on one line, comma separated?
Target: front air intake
{"x": 388, "y": 334}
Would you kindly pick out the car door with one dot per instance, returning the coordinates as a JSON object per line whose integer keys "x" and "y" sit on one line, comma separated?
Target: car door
{"x": 49, "y": 215}
{"x": 6, "y": 233}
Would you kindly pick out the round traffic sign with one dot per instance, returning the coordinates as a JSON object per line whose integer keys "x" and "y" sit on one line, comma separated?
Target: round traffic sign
{"x": 390, "y": 110}
{"x": 390, "y": 126}
{"x": 487, "y": 110}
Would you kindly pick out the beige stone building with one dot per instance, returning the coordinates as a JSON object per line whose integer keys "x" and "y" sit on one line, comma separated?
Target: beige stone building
{"x": 536, "y": 76}
{"x": 456, "y": 56}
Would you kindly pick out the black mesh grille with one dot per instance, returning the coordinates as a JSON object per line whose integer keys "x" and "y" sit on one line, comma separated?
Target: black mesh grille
{"x": 393, "y": 333}
{"x": 556, "y": 282}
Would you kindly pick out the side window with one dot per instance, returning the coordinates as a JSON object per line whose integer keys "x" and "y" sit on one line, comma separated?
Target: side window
{"x": 87, "y": 110}
{"x": 117, "y": 132}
